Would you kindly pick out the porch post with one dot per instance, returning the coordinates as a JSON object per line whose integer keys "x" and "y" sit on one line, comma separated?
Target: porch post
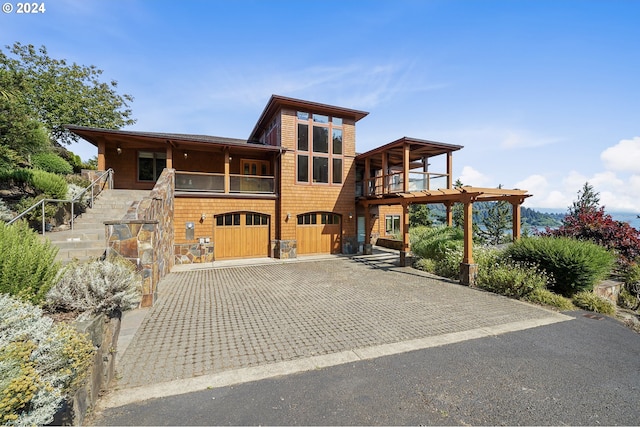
{"x": 385, "y": 167}
{"x": 101, "y": 160}
{"x": 367, "y": 178}
{"x": 468, "y": 270}
{"x": 227, "y": 185}
{"x": 405, "y": 167}
{"x": 405, "y": 253}
{"x": 449, "y": 170}
{"x": 169, "y": 156}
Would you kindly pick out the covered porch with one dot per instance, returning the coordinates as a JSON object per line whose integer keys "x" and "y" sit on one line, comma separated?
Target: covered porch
{"x": 205, "y": 165}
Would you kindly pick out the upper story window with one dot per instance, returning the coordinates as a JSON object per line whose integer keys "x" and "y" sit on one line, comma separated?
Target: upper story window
{"x": 151, "y": 165}
{"x": 319, "y": 149}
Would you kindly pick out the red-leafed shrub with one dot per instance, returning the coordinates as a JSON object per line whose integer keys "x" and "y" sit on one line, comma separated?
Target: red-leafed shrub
{"x": 597, "y": 226}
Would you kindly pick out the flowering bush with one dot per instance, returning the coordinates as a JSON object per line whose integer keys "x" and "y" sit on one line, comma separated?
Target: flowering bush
{"x": 110, "y": 286}
{"x": 602, "y": 229}
{"x": 39, "y": 363}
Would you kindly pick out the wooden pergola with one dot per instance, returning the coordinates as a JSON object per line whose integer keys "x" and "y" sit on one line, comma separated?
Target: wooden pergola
{"x": 388, "y": 181}
{"x": 464, "y": 195}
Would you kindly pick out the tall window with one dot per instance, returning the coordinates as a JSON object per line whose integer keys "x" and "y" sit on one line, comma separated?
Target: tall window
{"x": 319, "y": 150}
{"x": 150, "y": 165}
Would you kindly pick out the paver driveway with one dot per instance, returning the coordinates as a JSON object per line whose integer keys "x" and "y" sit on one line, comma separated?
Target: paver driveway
{"x": 209, "y": 321}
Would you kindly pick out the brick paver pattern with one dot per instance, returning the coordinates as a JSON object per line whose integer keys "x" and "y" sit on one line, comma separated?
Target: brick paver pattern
{"x": 213, "y": 320}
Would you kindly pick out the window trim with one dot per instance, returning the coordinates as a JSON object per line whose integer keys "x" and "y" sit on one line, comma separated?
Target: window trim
{"x": 392, "y": 217}
{"x": 156, "y": 155}
{"x": 308, "y": 118}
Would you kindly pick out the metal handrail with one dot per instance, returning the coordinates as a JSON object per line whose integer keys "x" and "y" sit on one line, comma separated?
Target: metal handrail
{"x": 109, "y": 181}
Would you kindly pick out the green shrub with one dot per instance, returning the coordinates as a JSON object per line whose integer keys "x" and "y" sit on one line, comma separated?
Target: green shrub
{"x": 546, "y": 297}
{"x": 592, "y": 302}
{"x": 511, "y": 279}
{"x": 16, "y": 175}
{"x": 435, "y": 242}
{"x": 110, "y": 286}
{"x": 426, "y": 264}
{"x": 49, "y": 183}
{"x": 51, "y": 162}
{"x": 574, "y": 265}
{"x": 40, "y": 363}
{"x": 27, "y": 265}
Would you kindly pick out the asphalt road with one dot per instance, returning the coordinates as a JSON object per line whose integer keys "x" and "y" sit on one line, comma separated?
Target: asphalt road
{"x": 579, "y": 372}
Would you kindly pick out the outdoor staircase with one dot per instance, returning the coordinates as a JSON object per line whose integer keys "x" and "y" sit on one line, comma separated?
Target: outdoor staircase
{"x": 87, "y": 239}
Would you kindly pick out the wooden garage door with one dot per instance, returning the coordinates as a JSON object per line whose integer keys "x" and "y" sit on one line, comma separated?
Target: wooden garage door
{"x": 241, "y": 235}
{"x": 318, "y": 233}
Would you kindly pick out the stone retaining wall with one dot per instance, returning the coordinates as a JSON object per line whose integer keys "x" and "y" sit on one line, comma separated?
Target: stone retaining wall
{"x": 145, "y": 235}
{"x": 103, "y": 333}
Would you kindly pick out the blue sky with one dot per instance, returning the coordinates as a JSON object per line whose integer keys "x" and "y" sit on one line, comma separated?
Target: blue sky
{"x": 544, "y": 95}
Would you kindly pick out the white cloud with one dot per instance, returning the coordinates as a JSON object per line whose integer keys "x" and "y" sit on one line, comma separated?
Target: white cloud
{"x": 470, "y": 176}
{"x": 624, "y": 156}
{"x": 533, "y": 184}
{"x": 512, "y": 139}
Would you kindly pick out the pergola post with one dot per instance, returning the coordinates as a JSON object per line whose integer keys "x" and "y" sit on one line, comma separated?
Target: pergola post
{"x": 449, "y": 218}
{"x": 405, "y": 254}
{"x": 468, "y": 270}
{"x": 516, "y": 219}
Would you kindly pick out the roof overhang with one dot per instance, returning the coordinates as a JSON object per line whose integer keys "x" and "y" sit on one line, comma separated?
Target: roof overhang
{"x": 277, "y": 102}
{"x": 418, "y": 149}
{"x": 158, "y": 139}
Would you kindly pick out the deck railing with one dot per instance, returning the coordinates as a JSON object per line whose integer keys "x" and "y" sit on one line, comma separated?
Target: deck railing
{"x": 215, "y": 183}
{"x": 394, "y": 183}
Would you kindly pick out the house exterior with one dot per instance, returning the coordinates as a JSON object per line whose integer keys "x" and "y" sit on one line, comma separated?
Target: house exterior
{"x": 296, "y": 186}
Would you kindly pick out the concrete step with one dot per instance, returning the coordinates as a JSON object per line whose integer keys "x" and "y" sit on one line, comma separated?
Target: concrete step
{"x": 87, "y": 239}
{"x": 81, "y": 244}
{"x": 68, "y": 235}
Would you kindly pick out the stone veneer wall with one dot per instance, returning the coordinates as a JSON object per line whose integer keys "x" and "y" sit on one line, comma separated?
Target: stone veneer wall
{"x": 145, "y": 235}
{"x": 103, "y": 333}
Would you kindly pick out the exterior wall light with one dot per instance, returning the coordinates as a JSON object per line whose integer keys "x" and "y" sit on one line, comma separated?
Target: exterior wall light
{"x": 119, "y": 150}
{"x": 186, "y": 155}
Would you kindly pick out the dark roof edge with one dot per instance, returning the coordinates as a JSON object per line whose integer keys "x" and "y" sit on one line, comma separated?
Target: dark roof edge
{"x": 279, "y": 101}
{"x": 410, "y": 140}
{"x": 86, "y": 133}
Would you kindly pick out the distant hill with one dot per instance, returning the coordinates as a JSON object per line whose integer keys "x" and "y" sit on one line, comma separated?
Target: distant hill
{"x": 531, "y": 218}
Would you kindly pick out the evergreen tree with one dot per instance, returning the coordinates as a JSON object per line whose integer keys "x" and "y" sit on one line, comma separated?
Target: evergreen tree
{"x": 420, "y": 215}
{"x": 588, "y": 201}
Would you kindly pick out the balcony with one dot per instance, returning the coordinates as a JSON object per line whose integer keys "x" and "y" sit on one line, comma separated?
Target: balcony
{"x": 219, "y": 183}
{"x": 394, "y": 183}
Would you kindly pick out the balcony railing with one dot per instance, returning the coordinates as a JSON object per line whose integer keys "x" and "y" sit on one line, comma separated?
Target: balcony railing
{"x": 394, "y": 183}
{"x": 251, "y": 184}
{"x": 215, "y": 183}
